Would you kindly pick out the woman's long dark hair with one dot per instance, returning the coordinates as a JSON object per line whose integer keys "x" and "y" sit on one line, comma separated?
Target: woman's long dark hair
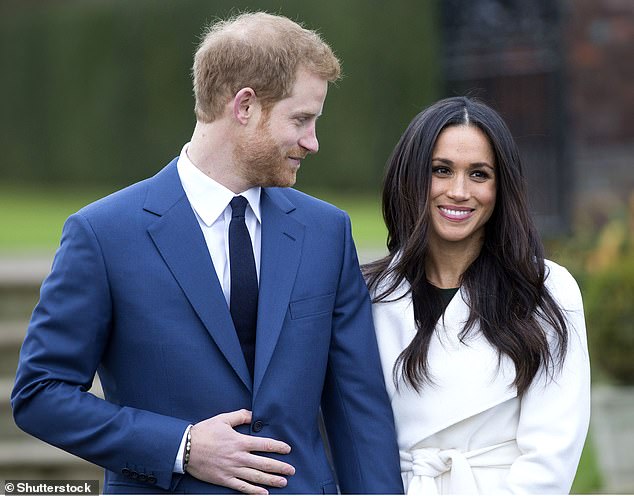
{"x": 504, "y": 285}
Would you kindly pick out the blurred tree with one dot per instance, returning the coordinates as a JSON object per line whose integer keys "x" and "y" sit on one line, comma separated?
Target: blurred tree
{"x": 100, "y": 92}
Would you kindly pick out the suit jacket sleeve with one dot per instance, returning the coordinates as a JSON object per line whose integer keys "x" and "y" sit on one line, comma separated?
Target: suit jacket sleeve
{"x": 63, "y": 347}
{"x": 555, "y": 412}
{"x": 356, "y": 408}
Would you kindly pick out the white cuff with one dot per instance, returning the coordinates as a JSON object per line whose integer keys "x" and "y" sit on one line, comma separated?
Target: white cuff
{"x": 178, "y": 463}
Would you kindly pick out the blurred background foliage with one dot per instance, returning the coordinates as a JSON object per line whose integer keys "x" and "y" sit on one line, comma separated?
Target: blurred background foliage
{"x": 602, "y": 259}
{"x": 99, "y": 93}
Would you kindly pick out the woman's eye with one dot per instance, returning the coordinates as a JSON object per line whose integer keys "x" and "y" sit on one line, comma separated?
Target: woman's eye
{"x": 441, "y": 170}
{"x": 481, "y": 175}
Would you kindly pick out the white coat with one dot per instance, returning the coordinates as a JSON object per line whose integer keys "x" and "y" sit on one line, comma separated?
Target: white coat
{"x": 469, "y": 432}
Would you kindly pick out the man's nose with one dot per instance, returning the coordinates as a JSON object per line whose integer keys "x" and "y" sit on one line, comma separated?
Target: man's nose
{"x": 309, "y": 141}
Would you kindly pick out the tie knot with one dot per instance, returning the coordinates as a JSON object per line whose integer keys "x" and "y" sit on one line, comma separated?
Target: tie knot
{"x": 238, "y": 206}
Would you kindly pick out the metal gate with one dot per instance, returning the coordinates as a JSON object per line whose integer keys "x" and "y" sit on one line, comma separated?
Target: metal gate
{"x": 509, "y": 53}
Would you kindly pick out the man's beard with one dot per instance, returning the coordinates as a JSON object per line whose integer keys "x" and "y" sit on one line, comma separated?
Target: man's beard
{"x": 261, "y": 162}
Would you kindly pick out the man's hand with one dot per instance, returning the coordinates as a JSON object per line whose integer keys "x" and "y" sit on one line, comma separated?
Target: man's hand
{"x": 222, "y": 456}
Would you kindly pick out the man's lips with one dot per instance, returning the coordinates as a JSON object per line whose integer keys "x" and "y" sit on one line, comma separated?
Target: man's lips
{"x": 297, "y": 159}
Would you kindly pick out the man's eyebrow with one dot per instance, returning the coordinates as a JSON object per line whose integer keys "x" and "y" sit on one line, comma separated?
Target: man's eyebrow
{"x": 305, "y": 113}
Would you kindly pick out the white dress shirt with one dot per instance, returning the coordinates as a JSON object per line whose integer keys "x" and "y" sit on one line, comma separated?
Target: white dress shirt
{"x": 210, "y": 202}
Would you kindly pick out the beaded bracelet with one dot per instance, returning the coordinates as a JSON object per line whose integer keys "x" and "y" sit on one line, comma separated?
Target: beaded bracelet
{"x": 188, "y": 448}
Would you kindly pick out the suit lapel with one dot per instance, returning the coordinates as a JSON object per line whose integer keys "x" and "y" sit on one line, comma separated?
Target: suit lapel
{"x": 178, "y": 238}
{"x": 282, "y": 239}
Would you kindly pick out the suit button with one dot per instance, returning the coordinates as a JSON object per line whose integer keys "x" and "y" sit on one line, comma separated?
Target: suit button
{"x": 126, "y": 472}
{"x": 258, "y": 425}
{"x": 151, "y": 479}
{"x": 142, "y": 477}
{"x": 134, "y": 474}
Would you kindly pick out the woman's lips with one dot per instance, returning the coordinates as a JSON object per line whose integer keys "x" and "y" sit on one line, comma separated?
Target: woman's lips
{"x": 456, "y": 213}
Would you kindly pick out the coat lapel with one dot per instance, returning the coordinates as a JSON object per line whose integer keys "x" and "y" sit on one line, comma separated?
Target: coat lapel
{"x": 467, "y": 377}
{"x": 282, "y": 239}
{"x": 178, "y": 238}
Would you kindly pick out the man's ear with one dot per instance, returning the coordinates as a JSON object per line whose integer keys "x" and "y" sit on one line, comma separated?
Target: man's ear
{"x": 244, "y": 104}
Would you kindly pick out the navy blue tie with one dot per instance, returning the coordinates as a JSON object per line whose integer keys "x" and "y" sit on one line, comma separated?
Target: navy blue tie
{"x": 244, "y": 281}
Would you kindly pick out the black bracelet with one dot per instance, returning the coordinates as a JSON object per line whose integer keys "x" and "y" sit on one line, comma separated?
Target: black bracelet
{"x": 188, "y": 448}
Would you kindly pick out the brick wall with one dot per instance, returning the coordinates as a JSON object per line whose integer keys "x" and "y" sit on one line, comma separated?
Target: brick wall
{"x": 600, "y": 71}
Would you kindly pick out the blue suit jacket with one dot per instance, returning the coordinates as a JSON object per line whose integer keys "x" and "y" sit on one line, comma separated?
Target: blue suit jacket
{"x": 133, "y": 295}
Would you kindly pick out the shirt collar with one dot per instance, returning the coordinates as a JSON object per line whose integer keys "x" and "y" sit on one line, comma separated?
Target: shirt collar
{"x": 207, "y": 197}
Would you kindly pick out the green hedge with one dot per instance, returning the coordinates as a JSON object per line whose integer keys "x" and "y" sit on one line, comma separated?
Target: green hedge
{"x": 100, "y": 92}
{"x": 609, "y": 308}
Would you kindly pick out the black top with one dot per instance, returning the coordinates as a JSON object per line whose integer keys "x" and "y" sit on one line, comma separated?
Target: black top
{"x": 446, "y": 294}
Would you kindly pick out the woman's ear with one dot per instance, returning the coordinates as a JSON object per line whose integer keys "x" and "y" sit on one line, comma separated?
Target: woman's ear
{"x": 244, "y": 105}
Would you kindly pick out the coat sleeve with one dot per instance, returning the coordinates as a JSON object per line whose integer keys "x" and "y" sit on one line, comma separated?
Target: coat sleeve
{"x": 555, "y": 412}
{"x": 66, "y": 338}
{"x": 356, "y": 408}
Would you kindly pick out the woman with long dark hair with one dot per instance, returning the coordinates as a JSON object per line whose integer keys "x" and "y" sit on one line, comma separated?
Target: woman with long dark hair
{"x": 482, "y": 340}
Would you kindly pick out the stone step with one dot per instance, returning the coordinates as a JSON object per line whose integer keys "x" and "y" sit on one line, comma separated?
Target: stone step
{"x": 18, "y": 302}
{"x": 23, "y": 271}
{"x": 8, "y": 429}
{"x": 20, "y": 281}
{"x": 12, "y": 332}
{"x": 11, "y": 336}
{"x": 33, "y": 459}
{"x": 612, "y": 424}
{"x": 25, "y": 457}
